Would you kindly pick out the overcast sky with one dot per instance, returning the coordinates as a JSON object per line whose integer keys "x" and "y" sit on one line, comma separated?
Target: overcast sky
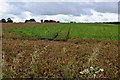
{"x": 89, "y": 11}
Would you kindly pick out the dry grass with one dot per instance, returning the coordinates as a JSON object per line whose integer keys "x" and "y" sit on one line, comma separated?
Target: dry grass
{"x": 40, "y": 59}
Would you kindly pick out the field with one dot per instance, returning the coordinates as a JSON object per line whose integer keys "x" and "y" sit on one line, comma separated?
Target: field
{"x": 59, "y": 50}
{"x": 69, "y": 31}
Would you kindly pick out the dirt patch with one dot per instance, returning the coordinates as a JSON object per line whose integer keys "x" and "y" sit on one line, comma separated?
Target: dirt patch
{"x": 15, "y": 25}
{"x": 42, "y": 58}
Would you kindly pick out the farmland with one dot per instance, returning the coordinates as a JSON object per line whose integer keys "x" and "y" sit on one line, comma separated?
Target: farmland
{"x": 69, "y": 31}
{"x": 59, "y": 50}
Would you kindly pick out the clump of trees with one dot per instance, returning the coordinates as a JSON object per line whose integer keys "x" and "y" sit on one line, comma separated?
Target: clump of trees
{"x": 3, "y": 20}
{"x": 42, "y": 21}
{"x": 50, "y": 21}
{"x": 29, "y": 21}
{"x": 9, "y": 20}
{"x": 72, "y": 22}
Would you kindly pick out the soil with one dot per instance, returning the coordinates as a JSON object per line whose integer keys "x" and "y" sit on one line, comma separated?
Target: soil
{"x": 14, "y": 25}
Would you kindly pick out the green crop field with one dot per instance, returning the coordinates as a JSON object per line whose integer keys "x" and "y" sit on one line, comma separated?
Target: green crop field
{"x": 65, "y": 31}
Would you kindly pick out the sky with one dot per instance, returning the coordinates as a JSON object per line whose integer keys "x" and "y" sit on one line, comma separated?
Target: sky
{"x": 60, "y": 10}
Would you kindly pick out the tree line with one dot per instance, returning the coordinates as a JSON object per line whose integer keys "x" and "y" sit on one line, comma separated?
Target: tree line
{"x": 9, "y": 20}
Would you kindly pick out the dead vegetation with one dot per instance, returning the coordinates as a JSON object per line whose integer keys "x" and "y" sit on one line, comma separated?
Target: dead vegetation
{"x": 57, "y": 59}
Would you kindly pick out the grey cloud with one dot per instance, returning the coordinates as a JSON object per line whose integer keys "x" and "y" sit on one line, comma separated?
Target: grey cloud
{"x": 37, "y": 9}
{"x": 67, "y": 8}
{"x": 111, "y": 7}
{"x": 16, "y": 8}
{"x": 55, "y": 8}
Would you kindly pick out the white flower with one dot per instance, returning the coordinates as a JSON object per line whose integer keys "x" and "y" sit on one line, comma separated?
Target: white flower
{"x": 85, "y": 71}
{"x": 91, "y": 68}
{"x": 101, "y": 70}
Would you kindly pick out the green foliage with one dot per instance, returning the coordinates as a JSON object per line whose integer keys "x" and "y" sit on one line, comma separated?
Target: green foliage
{"x": 69, "y": 31}
{"x": 96, "y": 31}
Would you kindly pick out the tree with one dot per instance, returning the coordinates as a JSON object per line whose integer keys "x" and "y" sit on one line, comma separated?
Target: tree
{"x": 41, "y": 21}
{"x": 33, "y": 20}
{"x": 26, "y": 21}
{"x": 9, "y": 20}
{"x": 3, "y": 20}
